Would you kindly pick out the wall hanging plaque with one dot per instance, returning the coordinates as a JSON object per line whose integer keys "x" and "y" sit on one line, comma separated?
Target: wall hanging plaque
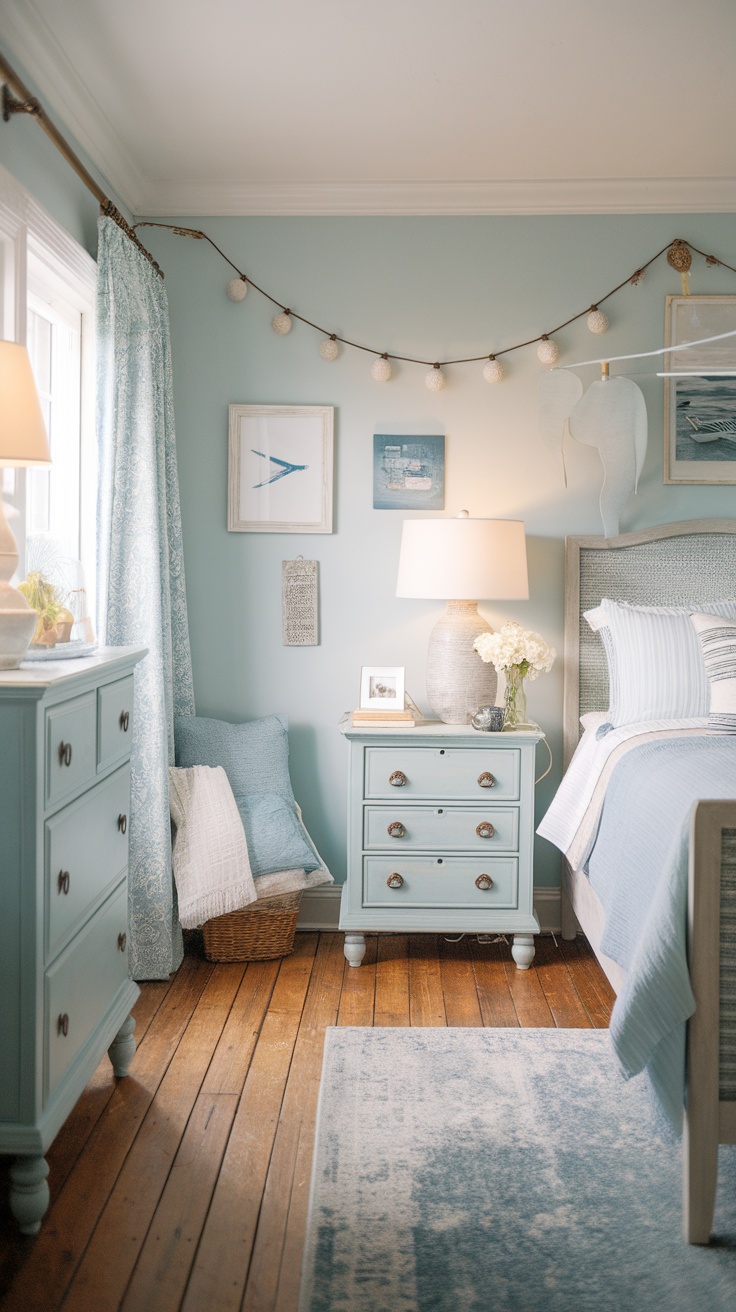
{"x": 300, "y": 602}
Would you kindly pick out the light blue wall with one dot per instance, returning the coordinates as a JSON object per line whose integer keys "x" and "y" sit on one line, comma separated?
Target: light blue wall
{"x": 432, "y": 287}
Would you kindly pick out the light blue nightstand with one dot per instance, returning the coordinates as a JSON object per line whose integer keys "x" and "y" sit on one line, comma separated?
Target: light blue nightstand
{"x": 440, "y": 834}
{"x": 65, "y": 735}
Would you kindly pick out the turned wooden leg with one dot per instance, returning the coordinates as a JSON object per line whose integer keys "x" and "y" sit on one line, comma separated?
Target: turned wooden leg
{"x": 122, "y": 1048}
{"x": 522, "y": 950}
{"x": 29, "y": 1192}
{"x": 355, "y": 948}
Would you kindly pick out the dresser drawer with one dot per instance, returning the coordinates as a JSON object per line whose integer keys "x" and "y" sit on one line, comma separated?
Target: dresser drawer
{"x": 442, "y": 828}
{"x": 448, "y": 882}
{"x": 443, "y": 772}
{"x": 114, "y": 722}
{"x": 71, "y": 746}
{"x": 82, "y": 984}
{"x": 86, "y": 848}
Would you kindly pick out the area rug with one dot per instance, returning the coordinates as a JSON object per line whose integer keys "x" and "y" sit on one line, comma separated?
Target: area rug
{"x": 499, "y": 1171}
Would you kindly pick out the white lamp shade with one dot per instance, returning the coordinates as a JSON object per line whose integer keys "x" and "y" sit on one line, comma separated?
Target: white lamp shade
{"x": 463, "y": 559}
{"x": 23, "y": 439}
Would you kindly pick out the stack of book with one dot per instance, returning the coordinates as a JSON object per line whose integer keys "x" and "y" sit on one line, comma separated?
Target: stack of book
{"x": 383, "y": 719}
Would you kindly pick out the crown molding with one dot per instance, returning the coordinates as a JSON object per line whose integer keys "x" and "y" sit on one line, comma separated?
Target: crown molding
{"x": 567, "y": 196}
{"x": 27, "y": 38}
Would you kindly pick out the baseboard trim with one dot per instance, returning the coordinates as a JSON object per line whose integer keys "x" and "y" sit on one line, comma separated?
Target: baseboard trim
{"x": 320, "y": 909}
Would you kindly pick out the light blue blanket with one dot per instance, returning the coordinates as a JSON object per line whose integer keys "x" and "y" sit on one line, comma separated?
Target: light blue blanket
{"x": 639, "y": 869}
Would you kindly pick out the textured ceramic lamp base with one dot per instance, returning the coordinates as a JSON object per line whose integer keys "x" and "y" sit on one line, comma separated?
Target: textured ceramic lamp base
{"x": 458, "y": 681}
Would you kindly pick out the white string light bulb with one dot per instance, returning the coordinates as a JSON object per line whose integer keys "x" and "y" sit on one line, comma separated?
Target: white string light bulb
{"x": 381, "y": 369}
{"x": 597, "y": 320}
{"x": 329, "y": 349}
{"x": 548, "y": 351}
{"x": 493, "y": 370}
{"x": 435, "y": 380}
{"x": 237, "y": 289}
{"x": 281, "y": 323}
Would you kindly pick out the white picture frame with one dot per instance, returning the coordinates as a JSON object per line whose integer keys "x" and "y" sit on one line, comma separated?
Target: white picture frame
{"x": 280, "y": 468}
{"x": 382, "y": 687}
{"x": 702, "y": 405}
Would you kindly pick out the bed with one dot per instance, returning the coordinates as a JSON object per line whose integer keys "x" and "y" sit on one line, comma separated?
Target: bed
{"x": 672, "y": 565}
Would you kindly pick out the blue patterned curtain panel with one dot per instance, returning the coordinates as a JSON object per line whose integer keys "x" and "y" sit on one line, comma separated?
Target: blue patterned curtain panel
{"x": 141, "y": 596}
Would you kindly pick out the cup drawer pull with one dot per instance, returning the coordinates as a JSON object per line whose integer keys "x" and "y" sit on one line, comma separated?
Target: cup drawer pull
{"x": 122, "y": 823}
{"x": 397, "y": 779}
{"x": 63, "y": 881}
{"x": 122, "y": 942}
{"x": 62, "y": 1025}
{"x": 124, "y": 720}
{"x": 484, "y": 882}
{"x": 65, "y": 753}
{"x": 486, "y": 779}
{"x": 485, "y": 829}
{"x": 395, "y": 880}
{"x": 396, "y": 829}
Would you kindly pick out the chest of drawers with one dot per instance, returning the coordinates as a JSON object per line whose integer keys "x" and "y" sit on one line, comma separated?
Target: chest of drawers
{"x": 65, "y": 736}
{"x": 440, "y": 834}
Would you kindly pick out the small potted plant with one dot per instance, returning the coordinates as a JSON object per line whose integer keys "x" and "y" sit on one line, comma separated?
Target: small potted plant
{"x": 54, "y": 620}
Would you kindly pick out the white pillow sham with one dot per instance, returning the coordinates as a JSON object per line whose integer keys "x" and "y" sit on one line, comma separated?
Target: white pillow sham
{"x": 717, "y": 639}
{"x": 655, "y": 666}
{"x": 210, "y": 854}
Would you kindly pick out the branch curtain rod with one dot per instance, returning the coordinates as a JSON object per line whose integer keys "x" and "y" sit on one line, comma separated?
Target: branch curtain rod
{"x": 27, "y": 104}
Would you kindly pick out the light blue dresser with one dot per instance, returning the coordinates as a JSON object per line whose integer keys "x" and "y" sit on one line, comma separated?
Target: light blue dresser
{"x": 440, "y": 834}
{"x": 65, "y": 736}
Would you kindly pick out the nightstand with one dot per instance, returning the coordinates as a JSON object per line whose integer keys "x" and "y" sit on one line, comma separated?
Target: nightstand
{"x": 440, "y": 834}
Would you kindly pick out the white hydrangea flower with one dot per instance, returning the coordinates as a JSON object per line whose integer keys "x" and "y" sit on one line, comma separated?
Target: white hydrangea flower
{"x": 513, "y": 645}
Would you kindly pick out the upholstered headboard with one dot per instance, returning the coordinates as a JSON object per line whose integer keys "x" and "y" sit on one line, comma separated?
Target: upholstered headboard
{"x": 674, "y": 564}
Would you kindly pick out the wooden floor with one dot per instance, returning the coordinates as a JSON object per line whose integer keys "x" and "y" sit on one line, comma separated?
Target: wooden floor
{"x": 185, "y": 1185}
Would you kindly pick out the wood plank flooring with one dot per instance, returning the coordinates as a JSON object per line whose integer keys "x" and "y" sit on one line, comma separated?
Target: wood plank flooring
{"x": 184, "y": 1187}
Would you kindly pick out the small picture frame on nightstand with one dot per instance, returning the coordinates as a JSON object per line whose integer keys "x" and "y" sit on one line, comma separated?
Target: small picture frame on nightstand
{"x": 382, "y": 688}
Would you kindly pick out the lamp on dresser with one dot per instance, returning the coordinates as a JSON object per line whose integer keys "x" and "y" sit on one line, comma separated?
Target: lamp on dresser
{"x": 23, "y": 441}
{"x": 455, "y": 560}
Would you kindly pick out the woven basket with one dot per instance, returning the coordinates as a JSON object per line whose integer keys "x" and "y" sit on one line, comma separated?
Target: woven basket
{"x": 260, "y": 932}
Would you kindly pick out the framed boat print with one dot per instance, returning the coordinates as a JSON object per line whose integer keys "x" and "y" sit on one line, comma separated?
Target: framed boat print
{"x": 280, "y": 469}
{"x": 700, "y": 391}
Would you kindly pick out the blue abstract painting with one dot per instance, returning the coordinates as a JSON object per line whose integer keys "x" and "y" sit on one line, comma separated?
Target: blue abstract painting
{"x": 408, "y": 472}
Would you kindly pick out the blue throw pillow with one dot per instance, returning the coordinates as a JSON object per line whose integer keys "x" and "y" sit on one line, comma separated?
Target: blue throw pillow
{"x": 254, "y": 756}
{"x": 276, "y": 839}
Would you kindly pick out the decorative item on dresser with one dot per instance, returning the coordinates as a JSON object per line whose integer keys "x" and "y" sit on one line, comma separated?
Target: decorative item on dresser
{"x": 440, "y": 834}
{"x": 461, "y": 560}
{"x": 66, "y": 732}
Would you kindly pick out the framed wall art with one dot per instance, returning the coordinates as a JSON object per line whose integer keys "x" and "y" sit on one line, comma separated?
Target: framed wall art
{"x": 408, "y": 472}
{"x": 699, "y": 397}
{"x": 280, "y": 469}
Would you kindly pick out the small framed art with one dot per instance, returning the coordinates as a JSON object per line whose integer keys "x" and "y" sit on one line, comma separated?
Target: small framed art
{"x": 699, "y": 397}
{"x": 382, "y": 688}
{"x": 280, "y": 469}
{"x": 408, "y": 472}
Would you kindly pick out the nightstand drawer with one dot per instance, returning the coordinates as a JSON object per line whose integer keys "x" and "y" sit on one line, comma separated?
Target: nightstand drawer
{"x": 442, "y": 828}
{"x": 82, "y": 985}
{"x": 114, "y": 721}
{"x": 86, "y": 848}
{"x": 449, "y": 882}
{"x": 71, "y": 746}
{"x": 443, "y": 773}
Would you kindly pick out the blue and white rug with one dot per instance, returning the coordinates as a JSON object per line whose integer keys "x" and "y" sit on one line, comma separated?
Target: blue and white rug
{"x": 469, "y": 1170}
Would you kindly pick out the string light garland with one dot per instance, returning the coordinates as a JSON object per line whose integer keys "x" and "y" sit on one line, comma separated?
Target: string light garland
{"x": 679, "y": 256}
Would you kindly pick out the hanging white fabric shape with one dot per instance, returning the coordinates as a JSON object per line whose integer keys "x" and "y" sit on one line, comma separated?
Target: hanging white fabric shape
{"x": 559, "y": 392}
{"x": 612, "y": 416}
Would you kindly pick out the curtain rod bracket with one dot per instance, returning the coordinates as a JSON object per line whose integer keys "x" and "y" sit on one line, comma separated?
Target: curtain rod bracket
{"x": 13, "y": 106}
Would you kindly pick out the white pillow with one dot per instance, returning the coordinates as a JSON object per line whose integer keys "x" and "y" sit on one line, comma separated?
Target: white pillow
{"x": 655, "y": 666}
{"x": 210, "y": 855}
{"x": 718, "y": 644}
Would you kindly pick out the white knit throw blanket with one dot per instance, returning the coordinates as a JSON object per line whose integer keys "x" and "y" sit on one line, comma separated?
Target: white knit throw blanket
{"x": 210, "y": 855}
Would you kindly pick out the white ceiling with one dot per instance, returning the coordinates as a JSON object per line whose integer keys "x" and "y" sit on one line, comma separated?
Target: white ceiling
{"x": 392, "y": 106}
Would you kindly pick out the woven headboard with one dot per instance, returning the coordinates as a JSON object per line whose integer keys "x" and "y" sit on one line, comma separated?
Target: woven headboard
{"x": 674, "y": 564}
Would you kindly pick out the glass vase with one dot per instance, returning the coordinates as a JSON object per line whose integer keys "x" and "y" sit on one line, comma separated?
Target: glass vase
{"x": 514, "y": 698}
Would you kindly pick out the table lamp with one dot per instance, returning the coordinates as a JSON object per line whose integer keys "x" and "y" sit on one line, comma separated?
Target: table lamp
{"x": 23, "y": 441}
{"x": 457, "y": 559}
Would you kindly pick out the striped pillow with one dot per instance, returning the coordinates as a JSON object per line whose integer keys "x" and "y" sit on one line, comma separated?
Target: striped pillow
{"x": 718, "y": 642}
{"x": 655, "y": 667}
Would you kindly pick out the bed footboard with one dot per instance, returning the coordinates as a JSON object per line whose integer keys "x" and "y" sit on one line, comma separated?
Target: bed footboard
{"x": 710, "y": 1116}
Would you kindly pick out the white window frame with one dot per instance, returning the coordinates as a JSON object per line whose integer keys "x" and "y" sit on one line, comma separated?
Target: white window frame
{"x": 36, "y": 251}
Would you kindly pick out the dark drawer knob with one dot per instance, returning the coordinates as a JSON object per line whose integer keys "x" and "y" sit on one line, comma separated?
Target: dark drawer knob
{"x": 63, "y": 881}
{"x": 397, "y": 779}
{"x": 122, "y": 942}
{"x": 122, "y": 823}
{"x": 124, "y": 720}
{"x": 484, "y": 882}
{"x": 62, "y": 1025}
{"x": 486, "y": 779}
{"x": 485, "y": 829}
{"x": 65, "y": 753}
{"x": 395, "y": 880}
{"x": 396, "y": 829}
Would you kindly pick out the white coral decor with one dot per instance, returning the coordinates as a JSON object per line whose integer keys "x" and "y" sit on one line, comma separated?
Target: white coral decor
{"x": 512, "y": 647}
